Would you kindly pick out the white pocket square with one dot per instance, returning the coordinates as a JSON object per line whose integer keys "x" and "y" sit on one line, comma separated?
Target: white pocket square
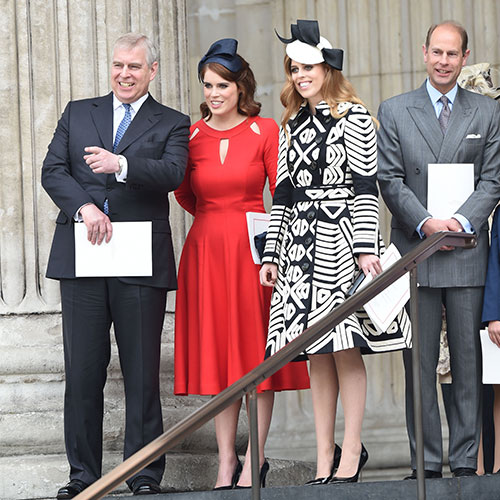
{"x": 473, "y": 136}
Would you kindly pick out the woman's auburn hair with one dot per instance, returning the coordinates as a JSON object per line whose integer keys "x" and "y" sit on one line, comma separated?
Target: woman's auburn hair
{"x": 336, "y": 89}
{"x": 245, "y": 81}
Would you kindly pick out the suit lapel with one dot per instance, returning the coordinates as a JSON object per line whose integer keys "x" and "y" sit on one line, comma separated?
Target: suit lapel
{"x": 422, "y": 112}
{"x": 461, "y": 115}
{"x": 148, "y": 116}
{"x": 102, "y": 114}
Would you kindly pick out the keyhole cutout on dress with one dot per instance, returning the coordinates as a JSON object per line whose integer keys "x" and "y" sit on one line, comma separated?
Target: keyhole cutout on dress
{"x": 223, "y": 147}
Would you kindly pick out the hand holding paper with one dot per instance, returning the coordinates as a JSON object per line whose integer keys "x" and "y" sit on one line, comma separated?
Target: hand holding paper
{"x": 97, "y": 223}
{"x": 383, "y": 308}
{"x": 431, "y": 226}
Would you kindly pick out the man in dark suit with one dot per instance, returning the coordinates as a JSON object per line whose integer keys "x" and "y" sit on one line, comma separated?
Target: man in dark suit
{"x": 114, "y": 158}
{"x": 416, "y": 129}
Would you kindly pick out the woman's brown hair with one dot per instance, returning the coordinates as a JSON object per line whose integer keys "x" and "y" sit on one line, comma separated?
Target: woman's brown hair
{"x": 336, "y": 89}
{"x": 245, "y": 82}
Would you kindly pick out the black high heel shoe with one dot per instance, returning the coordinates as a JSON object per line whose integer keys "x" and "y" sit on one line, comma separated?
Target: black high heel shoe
{"x": 363, "y": 458}
{"x": 336, "y": 461}
{"x": 262, "y": 475}
{"x": 235, "y": 478}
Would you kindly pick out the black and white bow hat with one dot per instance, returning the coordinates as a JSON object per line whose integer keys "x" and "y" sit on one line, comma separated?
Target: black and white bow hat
{"x": 306, "y": 46}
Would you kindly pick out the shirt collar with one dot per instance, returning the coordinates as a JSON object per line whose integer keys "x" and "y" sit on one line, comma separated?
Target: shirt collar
{"x": 134, "y": 105}
{"x": 435, "y": 95}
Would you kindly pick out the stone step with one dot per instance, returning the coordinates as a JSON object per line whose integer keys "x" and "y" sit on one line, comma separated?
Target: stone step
{"x": 477, "y": 488}
{"x": 191, "y": 477}
{"x": 467, "y": 488}
{"x": 39, "y": 477}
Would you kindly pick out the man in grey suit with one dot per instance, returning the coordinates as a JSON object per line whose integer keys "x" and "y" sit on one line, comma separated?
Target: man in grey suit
{"x": 416, "y": 129}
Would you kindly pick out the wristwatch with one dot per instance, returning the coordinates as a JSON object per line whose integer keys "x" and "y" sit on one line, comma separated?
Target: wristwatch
{"x": 122, "y": 162}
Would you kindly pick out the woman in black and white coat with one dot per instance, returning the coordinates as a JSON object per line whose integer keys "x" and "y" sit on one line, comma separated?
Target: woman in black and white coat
{"x": 324, "y": 227}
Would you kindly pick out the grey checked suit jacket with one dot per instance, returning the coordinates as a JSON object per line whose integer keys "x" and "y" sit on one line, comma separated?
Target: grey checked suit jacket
{"x": 408, "y": 140}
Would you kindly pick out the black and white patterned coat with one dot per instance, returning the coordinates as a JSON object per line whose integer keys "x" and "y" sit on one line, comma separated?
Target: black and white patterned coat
{"x": 324, "y": 214}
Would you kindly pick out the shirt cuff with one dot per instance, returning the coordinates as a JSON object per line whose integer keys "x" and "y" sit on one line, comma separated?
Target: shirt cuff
{"x": 78, "y": 216}
{"x": 419, "y": 228}
{"x": 465, "y": 223}
{"x": 122, "y": 175}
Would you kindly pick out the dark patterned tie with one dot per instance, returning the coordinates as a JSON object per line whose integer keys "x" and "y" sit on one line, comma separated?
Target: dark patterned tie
{"x": 123, "y": 126}
{"x": 444, "y": 116}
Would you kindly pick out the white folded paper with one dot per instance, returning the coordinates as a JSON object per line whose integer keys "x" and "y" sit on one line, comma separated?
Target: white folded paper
{"x": 448, "y": 186}
{"x": 257, "y": 223}
{"x": 129, "y": 252}
{"x": 491, "y": 359}
{"x": 383, "y": 308}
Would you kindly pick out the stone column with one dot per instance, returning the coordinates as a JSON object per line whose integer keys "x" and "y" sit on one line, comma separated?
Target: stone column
{"x": 53, "y": 52}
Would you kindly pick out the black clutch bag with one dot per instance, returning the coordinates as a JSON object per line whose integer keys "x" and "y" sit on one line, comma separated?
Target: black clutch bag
{"x": 358, "y": 279}
{"x": 260, "y": 243}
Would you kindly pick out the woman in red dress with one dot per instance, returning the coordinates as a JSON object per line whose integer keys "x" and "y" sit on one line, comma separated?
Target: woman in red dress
{"x": 222, "y": 312}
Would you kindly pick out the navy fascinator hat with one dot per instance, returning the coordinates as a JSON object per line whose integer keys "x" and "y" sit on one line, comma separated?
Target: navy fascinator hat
{"x": 306, "y": 46}
{"x": 223, "y": 52}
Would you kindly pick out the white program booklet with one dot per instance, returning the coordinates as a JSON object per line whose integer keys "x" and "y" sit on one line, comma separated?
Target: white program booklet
{"x": 491, "y": 359}
{"x": 383, "y": 308}
{"x": 448, "y": 186}
{"x": 257, "y": 223}
{"x": 128, "y": 253}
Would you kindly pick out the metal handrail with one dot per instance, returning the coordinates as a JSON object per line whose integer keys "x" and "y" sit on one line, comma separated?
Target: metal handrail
{"x": 252, "y": 379}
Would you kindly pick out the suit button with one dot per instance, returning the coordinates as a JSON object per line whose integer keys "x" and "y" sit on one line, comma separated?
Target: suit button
{"x": 417, "y": 170}
{"x": 305, "y": 266}
{"x": 290, "y": 168}
{"x": 308, "y": 240}
{"x": 313, "y": 165}
{"x": 318, "y": 140}
{"x": 310, "y": 215}
{"x": 108, "y": 189}
{"x": 328, "y": 119}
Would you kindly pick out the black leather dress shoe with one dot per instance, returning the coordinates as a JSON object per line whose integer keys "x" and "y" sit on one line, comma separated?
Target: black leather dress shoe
{"x": 72, "y": 489}
{"x": 144, "y": 485}
{"x": 428, "y": 474}
{"x": 463, "y": 472}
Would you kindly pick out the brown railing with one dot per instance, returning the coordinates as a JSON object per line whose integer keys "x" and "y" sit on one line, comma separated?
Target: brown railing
{"x": 249, "y": 382}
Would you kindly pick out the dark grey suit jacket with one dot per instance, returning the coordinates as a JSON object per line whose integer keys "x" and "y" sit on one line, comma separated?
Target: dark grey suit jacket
{"x": 408, "y": 140}
{"x": 156, "y": 148}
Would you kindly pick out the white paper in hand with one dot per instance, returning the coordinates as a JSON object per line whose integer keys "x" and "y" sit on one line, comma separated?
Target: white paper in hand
{"x": 129, "y": 253}
{"x": 257, "y": 223}
{"x": 384, "y": 308}
{"x": 491, "y": 359}
{"x": 448, "y": 186}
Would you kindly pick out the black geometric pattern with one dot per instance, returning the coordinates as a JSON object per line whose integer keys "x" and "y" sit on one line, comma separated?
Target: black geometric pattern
{"x": 325, "y": 212}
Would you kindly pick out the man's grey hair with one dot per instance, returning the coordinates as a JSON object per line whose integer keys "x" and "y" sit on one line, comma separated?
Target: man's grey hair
{"x": 131, "y": 40}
